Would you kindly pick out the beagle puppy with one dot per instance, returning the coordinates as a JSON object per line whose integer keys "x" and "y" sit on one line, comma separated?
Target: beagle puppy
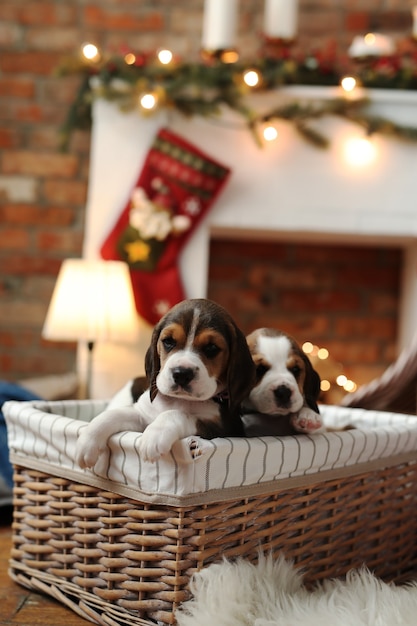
{"x": 284, "y": 398}
{"x": 199, "y": 369}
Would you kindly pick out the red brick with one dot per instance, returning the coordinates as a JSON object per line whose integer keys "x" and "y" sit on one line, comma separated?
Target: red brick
{"x": 26, "y": 113}
{"x": 32, "y": 314}
{"x": 14, "y": 238}
{"x": 66, "y": 242}
{"x": 9, "y": 138}
{"x": 377, "y": 276}
{"x": 382, "y": 303}
{"x": 9, "y": 10}
{"x": 117, "y": 20}
{"x": 43, "y": 138}
{"x": 17, "y": 339}
{"x": 348, "y": 352}
{"x": 33, "y": 62}
{"x": 58, "y": 38}
{"x": 65, "y": 192}
{"x": 358, "y": 22}
{"x": 37, "y": 362}
{"x": 36, "y": 215}
{"x": 47, "y": 13}
{"x": 382, "y": 328}
{"x": 6, "y": 364}
{"x": 317, "y": 301}
{"x": 17, "y": 87}
{"x": 40, "y": 163}
{"x": 20, "y": 265}
{"x": 61, "y": 90}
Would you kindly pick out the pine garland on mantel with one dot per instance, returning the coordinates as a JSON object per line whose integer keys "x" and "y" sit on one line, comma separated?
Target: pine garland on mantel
{"x": 205, "y": 88}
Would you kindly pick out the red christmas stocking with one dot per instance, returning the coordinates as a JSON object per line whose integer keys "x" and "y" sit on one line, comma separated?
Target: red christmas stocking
{"x": 175, "y": 189}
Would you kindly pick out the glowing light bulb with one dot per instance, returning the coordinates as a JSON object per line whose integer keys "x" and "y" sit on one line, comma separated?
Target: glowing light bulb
{"x": 130, "y": 58}
{"x": 148, "y": 101}
{"x": 348, "y": 83}
{"x": 270, "y": 133}
{"x": 324, "y": 385}
{"x": 90, "y": 52}
{"x": 308, "y": 347}
{"x": 251, "y": 78}
{"x": 359, "y": 151}
{"x": 323, "y": 354}
{"x": 341, "y": 380}
{"x": 165, "y": 56}
{"x": 229, "y": 56}
{"x": 349, "y": 386}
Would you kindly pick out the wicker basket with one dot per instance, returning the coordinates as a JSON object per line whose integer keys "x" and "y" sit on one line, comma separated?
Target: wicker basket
{"x": 116, "y": 559}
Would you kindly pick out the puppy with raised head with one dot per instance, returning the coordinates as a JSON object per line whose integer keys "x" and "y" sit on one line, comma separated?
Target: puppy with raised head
{"x": 284, "y": 398}
{"x": 199, "y": 369}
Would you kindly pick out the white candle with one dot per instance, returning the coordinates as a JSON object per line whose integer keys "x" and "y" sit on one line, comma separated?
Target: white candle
{"x": 219, "y": 24}
{"x": 280, "y": 18}
{"x": 414, "y": 12}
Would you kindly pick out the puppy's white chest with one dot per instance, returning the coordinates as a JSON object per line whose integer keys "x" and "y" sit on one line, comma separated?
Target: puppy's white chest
{"x": 203, "y": 410}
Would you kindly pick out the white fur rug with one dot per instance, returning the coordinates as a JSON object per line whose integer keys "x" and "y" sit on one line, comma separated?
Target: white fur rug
{"x": 271, "y": 593}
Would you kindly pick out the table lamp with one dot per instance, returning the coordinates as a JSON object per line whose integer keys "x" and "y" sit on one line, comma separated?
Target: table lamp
{"x": 92, "y": 301}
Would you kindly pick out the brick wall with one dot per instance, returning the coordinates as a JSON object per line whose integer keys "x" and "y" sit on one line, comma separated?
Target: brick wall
{"x": 42, "y": 191}
{"x": 338, "y": 297}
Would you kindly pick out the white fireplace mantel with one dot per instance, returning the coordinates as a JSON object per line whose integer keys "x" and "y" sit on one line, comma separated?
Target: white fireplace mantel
{"x": 287, "y": 189}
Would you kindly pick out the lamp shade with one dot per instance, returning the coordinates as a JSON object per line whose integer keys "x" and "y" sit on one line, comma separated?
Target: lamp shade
{"x": 92, "y": 301}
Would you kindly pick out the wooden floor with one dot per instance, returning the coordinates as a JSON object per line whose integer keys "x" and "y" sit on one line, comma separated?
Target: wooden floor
{"x": 22, "y": 607}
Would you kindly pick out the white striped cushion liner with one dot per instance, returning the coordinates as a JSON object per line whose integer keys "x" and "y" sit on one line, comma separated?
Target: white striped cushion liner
{"x": 42, "y": 435}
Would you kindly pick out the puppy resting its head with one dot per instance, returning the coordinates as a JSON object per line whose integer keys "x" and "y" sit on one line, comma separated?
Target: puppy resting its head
{"x": 284, "y": 398}
{"x": 199, "y": 368}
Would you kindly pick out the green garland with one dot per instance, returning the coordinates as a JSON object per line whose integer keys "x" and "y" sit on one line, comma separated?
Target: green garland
{"x": 204, "y": 89}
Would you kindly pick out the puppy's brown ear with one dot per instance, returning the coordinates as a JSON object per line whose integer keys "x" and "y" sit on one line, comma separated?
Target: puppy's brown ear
{"x": 153, "y": 362}
{"x": 311, "y": 385}
{"x": 241, "y": 369}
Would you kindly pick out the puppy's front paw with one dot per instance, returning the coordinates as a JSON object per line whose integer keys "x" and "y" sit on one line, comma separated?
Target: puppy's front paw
{"x": 87, "y": 451}
{"x": 153, "y": 444}
{"x": 306, "y": 421}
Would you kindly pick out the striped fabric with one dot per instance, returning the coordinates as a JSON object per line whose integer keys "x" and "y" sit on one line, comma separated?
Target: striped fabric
{"x": 42, "y": 435}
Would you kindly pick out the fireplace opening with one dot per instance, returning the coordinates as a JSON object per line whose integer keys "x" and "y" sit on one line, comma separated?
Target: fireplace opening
{"x": 343, "y": 298}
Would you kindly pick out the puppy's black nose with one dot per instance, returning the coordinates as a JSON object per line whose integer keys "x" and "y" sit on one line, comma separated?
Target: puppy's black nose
{"x": 282, "y": 395}
{"x": 182, "y": 375}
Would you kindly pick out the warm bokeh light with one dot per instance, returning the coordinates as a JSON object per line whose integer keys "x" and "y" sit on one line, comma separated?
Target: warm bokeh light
{"x": 165, "y": 56}
{"x": 230, "y": 56}
{"x": 148, "y": 101}
{"x": 370, "y": 39}
{"x": 325, "y": 385}
{"x": 270, "y": 133}
{"x": 341, "y": 380}
{"x": 251, "y": 78}
{"x": 359, "y": 151}
{"x": 308, "y": 347}
{"x": 90, "y": 52}
{"x": 348, "y": 83}
{"x": 323, "y": 354}
{"x": 349, "y": 386}
{"x": 130, "y": 58}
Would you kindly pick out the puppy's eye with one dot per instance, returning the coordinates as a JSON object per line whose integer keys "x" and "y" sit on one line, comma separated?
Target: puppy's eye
{"x": 261, "y": 370}
{"x": 169, "y": 343}
{"x": 295, "y": 371}
{"x": 211, "y": 350}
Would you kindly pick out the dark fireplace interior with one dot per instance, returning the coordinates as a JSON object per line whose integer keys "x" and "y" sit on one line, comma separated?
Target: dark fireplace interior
{"x": 344, "y": 298}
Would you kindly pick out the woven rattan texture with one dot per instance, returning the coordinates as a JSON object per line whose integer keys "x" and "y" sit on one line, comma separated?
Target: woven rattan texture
{"x": 120, "y": 561}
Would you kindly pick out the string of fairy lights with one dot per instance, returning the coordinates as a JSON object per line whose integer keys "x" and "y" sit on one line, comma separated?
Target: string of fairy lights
{"x": 152, "y": 81}
{"x": 331, "y": 376}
